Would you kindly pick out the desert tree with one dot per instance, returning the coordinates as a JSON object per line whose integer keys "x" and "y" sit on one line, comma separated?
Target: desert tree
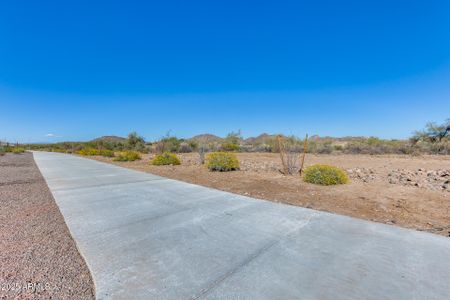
{"x": 170, "y": 143}
{"x": 135, "y": 142}
{"x": 433, "y": 132}
{"x": 232, "y": 141}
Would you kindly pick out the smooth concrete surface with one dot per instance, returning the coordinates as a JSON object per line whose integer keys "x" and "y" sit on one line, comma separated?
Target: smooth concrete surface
{"x": 147, "y": 237}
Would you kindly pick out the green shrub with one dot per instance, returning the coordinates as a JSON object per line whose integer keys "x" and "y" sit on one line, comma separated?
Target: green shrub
{"x": 338, "y": 147}
{"x": 325, "y": 175}
{"x": 222, "y": 162}
{"x": 107, "y": 153}
{"x": 18, "y": 150}
{"x": 230, "y": 147}
{"x": 93, "y": 152}
{"x": 232, "y": 142}
{"x": 88, "y": 152}
{"x": 135, "y": 142}
{"x": 127, "y": 156}
{"x": 7, "y": 149}
{"x": 166, "y": 158}
{"x": 170, "y": 144}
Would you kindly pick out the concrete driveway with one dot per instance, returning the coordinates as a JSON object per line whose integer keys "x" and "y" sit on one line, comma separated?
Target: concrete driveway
{"x": 147, "y": 237}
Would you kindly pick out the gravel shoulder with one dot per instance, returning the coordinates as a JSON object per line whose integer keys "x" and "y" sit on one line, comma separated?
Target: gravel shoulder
{"x": 38, "y": 257}
{"x": 399, "y": 190}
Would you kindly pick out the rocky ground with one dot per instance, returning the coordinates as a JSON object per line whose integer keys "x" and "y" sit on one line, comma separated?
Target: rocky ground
{"x": 383, "y": 188}
{"x": 436, "y": 180}
{"x": 38, "y": 257}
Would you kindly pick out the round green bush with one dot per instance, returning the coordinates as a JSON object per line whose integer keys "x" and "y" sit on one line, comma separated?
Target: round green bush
{"x": 325, "y": 175}
{"x": 106, "y": 153}
{"x": 165, "y": 159}
{"x": 222, "y": 162}
{"x": 18, "y": 150}
{"x": 127, "y": 156}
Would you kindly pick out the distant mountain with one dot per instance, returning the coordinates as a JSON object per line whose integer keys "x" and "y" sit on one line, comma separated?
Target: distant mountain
{"x": 264, "y": 138}
{"x": 209, "y": 138}
{"x": 260, "y": 139}
{"x": 110, "y": 138}
{"x": 336, "y": 139}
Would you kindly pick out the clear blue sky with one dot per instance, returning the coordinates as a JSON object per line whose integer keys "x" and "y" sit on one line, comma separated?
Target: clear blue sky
{"x": 75, "y": 70}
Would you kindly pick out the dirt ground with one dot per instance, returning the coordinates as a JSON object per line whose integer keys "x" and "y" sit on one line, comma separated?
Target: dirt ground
{"x": 38, "y": 257}
{"x": 406, "y": 191}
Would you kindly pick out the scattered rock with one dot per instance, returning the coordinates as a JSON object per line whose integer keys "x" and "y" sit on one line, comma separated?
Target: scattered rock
{"x": 437, "y": 180}
{"x": 259, "y": 166}
{"x": 362, "y": 174}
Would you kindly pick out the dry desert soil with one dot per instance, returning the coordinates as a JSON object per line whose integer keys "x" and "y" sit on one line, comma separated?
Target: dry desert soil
{"x": 400, "y": 190}
{"x": 38, "y": 257}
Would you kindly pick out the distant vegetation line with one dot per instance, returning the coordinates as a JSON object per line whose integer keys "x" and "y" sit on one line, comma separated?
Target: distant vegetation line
{"x": 434, "y": 139}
